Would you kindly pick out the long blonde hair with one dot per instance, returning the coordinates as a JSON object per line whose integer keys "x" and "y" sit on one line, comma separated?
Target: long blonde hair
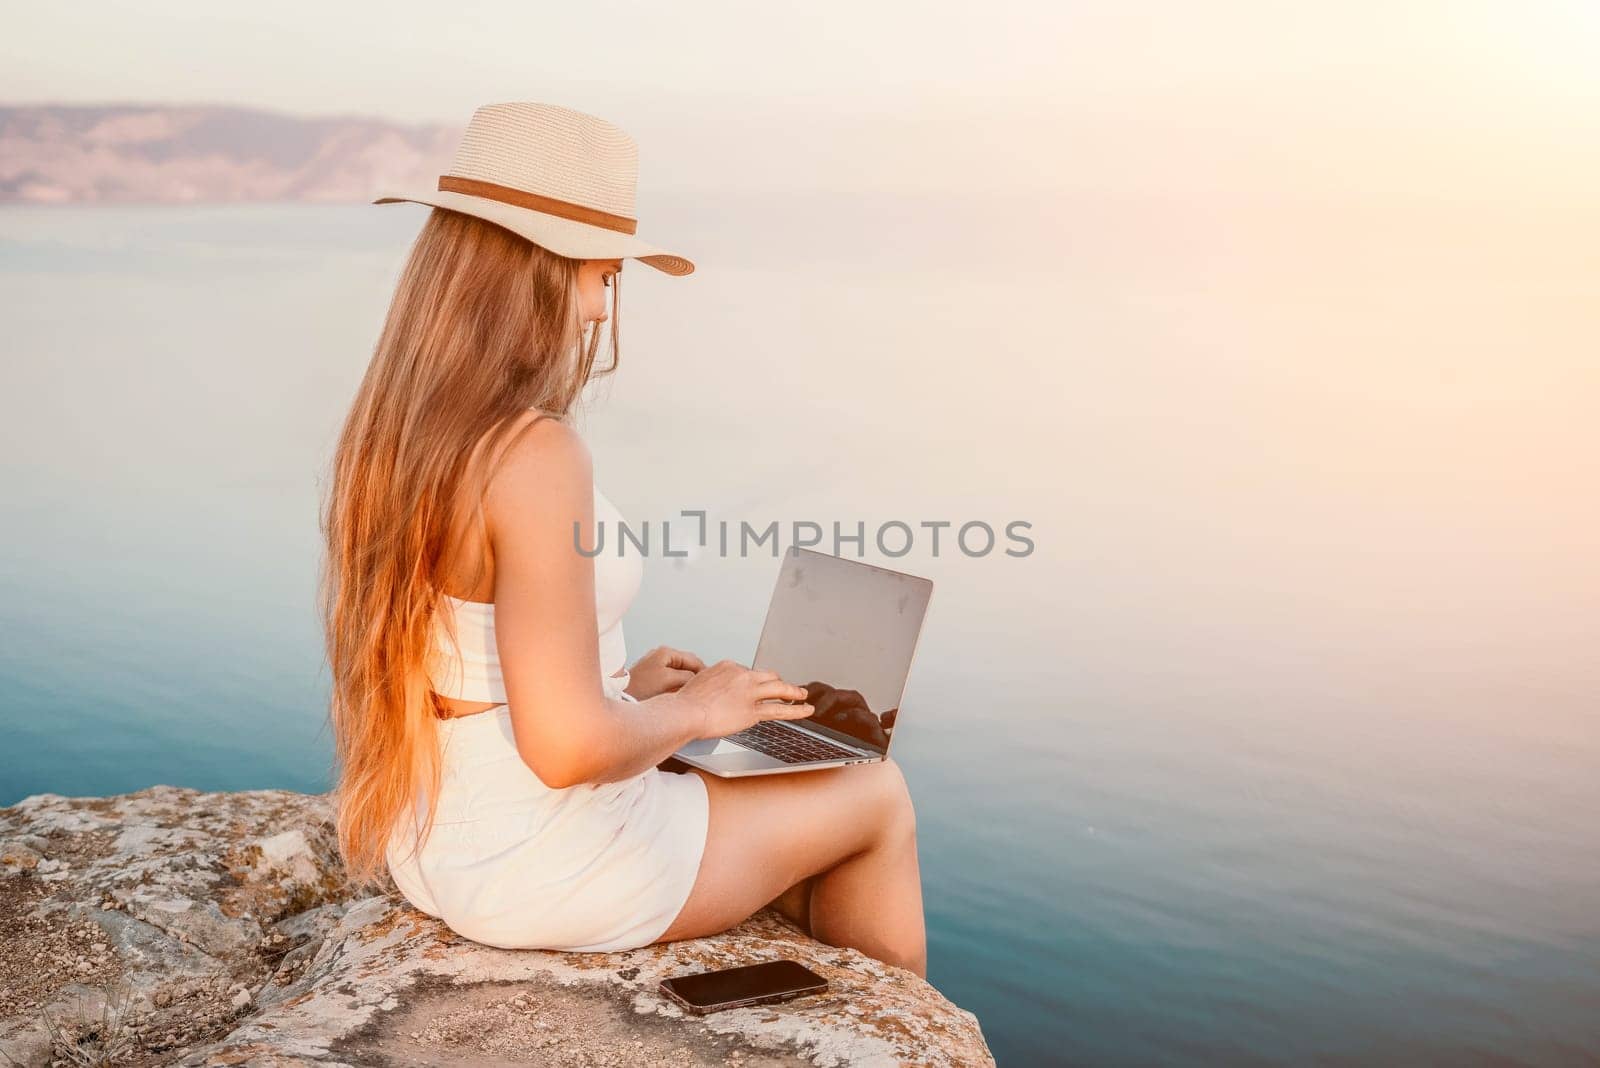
{"x": 483, "y": 326}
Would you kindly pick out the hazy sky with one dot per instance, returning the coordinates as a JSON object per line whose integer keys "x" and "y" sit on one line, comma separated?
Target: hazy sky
{"x": 987, "y": 95}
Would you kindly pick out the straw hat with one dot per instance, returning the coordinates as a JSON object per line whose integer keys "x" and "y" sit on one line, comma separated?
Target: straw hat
{"x": 560, "y": 178}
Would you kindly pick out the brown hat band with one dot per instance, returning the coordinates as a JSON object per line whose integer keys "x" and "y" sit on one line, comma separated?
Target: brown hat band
{"x": 449, "y": 183}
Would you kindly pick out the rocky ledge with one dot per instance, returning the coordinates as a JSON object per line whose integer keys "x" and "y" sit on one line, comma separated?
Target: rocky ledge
{"x": 172, "y": 926}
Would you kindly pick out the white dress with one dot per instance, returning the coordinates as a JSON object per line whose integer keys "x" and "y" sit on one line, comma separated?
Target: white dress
{"x": 511, "y": 862}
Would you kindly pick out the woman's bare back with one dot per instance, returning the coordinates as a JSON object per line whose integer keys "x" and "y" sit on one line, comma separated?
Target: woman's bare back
{"x": 463, "y": 537}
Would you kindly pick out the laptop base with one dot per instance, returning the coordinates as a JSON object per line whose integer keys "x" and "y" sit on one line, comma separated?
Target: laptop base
{"x": 729, "y": 760}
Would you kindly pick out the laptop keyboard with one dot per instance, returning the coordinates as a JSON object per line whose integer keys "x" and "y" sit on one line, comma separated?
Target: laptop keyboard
{"x": 789, "y": 746}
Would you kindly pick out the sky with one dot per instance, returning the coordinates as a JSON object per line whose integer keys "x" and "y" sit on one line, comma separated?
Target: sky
{"x": 1398, "y": 96}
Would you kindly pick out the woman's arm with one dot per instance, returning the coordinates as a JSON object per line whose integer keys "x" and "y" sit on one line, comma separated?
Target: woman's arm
{"x": 635, "y": 737}
{"x": 568, "y": 730}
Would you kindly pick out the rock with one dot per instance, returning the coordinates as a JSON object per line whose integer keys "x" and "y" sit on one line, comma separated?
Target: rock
{"x": 32, "y": 1043}
{"x": 17, "y": 855}
{"x": 221, "y": 933}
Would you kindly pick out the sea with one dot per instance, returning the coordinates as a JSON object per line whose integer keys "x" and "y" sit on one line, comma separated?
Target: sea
{"x": 1264, "y": 726}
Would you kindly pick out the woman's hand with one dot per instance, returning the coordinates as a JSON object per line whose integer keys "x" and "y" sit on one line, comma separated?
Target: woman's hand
{"x": 661, "y": 670}
{"x": 727, "y": 697}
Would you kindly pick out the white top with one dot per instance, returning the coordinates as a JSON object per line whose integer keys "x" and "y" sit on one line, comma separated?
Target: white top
{"x": 475, "y": 674}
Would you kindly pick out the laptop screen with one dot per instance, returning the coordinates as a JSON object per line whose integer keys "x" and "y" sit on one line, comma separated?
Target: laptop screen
{"x": 846, "y": 631}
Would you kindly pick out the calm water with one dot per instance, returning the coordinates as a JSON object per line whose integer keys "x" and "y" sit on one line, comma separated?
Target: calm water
{"x": 1283, "y": 745}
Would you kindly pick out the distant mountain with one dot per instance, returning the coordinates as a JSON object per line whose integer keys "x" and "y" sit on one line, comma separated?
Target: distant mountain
{"x": 122, "y": 154}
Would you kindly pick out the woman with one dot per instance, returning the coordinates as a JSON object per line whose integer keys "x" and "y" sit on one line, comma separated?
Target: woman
{"x": 495, "y": 754}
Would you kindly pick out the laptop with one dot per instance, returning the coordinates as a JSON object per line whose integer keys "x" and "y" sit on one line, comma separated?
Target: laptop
{"x": 846, "y": 631}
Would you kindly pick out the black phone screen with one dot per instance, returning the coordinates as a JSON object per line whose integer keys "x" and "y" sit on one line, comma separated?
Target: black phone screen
{"x": 748, "y": 982}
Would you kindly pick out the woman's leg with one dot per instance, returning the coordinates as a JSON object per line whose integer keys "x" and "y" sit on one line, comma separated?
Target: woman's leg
{"x": 852, "y": 828}
{"x": 795, "y": 903}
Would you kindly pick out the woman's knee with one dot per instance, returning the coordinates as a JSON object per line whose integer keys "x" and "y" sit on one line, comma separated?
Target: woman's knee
{"x": 893, "y": 794}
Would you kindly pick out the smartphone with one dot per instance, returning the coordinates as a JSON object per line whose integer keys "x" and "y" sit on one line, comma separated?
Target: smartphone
{"x": 750, "y": 984}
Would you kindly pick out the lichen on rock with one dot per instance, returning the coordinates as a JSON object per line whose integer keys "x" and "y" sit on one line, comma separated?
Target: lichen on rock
{"x": 173, "y": 926}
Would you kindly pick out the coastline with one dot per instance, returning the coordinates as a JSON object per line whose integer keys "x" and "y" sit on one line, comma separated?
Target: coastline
{"x": 208, "y": 928}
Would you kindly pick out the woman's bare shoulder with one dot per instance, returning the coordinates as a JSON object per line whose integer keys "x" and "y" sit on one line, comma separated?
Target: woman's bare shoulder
{"x": 545, "y": 444}
{"x": 545, "y": 469}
